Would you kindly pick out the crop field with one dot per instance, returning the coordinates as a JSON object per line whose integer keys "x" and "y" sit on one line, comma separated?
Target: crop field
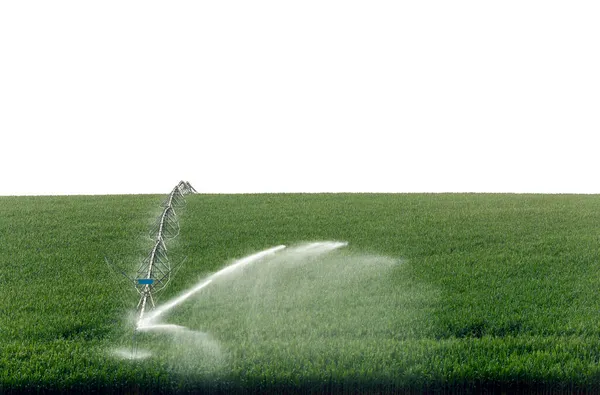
{"x": 431, "y": 292}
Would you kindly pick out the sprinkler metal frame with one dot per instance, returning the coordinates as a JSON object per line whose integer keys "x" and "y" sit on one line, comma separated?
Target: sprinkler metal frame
{"x": 155, "y": 271}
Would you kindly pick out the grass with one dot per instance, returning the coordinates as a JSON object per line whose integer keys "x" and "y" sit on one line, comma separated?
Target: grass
{"x": 494, "y": 292}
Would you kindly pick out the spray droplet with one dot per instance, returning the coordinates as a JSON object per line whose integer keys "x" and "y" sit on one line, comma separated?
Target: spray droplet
{"x": 125, "y": 353}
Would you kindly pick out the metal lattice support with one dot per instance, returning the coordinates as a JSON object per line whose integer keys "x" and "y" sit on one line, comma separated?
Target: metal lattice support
{"x": 154, "y": 273}
{"x": 186, "y": 187}
{"x": 167, "y": 225}
{"x": 175, "y": 198}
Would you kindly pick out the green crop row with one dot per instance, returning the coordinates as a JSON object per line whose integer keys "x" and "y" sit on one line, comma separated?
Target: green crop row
{"x": 488, "y": 291}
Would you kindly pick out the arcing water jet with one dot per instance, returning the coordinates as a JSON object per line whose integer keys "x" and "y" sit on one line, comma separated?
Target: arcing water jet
{"x": 148, "y": 322}
{"x": 151, "y": 321}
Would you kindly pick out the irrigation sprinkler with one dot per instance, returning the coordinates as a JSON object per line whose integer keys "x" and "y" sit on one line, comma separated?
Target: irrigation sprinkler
{"x": 167, "y": 225}
{"x": 186, "y": 187}
{"x": 155, "y": 272}
{"x": 152, "y": 275}
{"x": 175, "y": 199}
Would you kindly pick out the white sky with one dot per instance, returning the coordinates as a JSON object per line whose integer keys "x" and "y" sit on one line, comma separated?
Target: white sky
{"x": 102, "y": 97}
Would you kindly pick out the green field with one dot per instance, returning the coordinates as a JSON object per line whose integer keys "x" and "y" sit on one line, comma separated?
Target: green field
{"x": 433, "y": 292}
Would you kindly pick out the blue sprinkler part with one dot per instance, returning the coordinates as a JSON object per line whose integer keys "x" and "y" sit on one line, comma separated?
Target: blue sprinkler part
{"x": 145, "y": 281}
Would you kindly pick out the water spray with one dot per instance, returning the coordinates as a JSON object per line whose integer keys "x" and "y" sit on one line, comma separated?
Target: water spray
{"x": 149, "y": 322}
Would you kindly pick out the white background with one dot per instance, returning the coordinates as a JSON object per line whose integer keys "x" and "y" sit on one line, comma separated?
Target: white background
{"x": 299, "y": 96}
